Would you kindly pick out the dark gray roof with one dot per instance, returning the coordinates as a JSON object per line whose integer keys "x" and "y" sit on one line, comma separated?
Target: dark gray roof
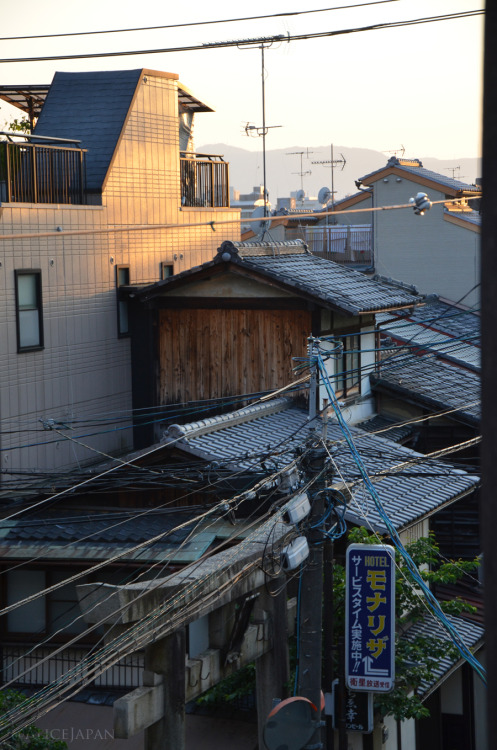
{"x": 125, "y": 534}
{"x": 92, "y": 108}
{"x": 446, "y": 317}
{"x": 429, "y": 382}
{"x": 331, "y": 282}
{"x": 460, "y": 345}
{"x": 388, "y": 428}
{"x": 429, "y": 627}
{"x": 266, "y": 436}
{"x": 414, "y": 166}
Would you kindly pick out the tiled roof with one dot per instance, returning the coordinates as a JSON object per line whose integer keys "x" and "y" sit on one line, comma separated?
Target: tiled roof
{"x": 331, "y": 282}
{"x": 268, "y": 435}
{"x": 387, "y": 428}
{"x": 465, "y": 352}
{"x": 471, "y": 633}
{"x": 124, "y": 535}
{"x": 448, "y": 318}
{"x": 413, "y": 166}
{"x": 92, "y": 108}
{"x": 428, "y": 381}
{"x": 473, "y": 217}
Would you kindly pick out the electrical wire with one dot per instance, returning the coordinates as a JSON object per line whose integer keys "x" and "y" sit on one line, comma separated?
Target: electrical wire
{"x": 430, "y": 599}
{"x": 211, "y": 224}
{"x": 196, "y": 23}
{"x": 258, "y": 42}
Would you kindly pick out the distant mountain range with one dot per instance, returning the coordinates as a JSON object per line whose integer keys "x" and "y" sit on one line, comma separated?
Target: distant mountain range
{"x": 283, "y": 168}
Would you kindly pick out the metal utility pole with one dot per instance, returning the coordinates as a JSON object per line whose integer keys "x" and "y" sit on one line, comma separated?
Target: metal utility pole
{"x": 261, "y": 131}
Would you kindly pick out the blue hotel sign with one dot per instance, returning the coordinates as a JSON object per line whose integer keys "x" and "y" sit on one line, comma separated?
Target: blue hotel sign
{"x": 370, "y": 618}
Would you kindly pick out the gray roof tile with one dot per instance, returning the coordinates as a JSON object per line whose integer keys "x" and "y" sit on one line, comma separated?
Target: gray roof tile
{"x": 92, "y": 108}
{"x": 430, "y": 382}
{"x": 429, "y": 627}
{"x": 269, "y": 437}
{"x": 342, "y": 287}
{"x": 428, "y": 174}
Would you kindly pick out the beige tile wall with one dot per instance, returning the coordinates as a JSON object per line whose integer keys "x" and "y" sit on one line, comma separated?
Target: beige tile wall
{"x": 83, "y": 373}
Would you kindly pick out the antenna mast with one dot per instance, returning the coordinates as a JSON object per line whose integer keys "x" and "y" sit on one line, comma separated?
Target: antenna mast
{"x": 261, "y": 131}
{"x": 302, "y": 173}
{"x": 333, "y": 162}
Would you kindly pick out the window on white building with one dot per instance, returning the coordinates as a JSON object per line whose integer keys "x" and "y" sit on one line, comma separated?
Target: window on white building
{"x": 29, "y": 314}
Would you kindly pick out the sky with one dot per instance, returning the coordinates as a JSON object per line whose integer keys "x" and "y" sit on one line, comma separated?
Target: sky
{"x": 417, "y": 87}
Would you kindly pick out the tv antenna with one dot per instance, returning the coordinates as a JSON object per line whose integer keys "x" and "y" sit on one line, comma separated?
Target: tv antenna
{"x": 333, "y": 163}
{"x": 454, "y": 170}
{"x": 400, "y": 151}
{"x": 262, "y": 44}
{"x": 302, "y": 173}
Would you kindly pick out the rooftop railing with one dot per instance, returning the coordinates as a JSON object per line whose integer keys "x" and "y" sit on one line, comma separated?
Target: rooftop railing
{"x": 42, "y": 173}
{"x": 340, "y": 243}
{"x": 204, "y": 180}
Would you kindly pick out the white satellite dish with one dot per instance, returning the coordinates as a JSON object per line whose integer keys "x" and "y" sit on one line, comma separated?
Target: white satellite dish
{"x": 259, "y": 226}
{"x": 324, "y": 195}
{"x": 300, "y": 195}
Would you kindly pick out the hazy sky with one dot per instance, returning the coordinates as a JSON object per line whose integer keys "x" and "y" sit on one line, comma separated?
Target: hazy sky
{"x": 418, "y": 86}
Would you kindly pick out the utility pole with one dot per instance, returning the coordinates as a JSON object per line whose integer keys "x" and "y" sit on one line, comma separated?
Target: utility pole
{"x": 311, "y": 612}
{"x": 311, "y": 607}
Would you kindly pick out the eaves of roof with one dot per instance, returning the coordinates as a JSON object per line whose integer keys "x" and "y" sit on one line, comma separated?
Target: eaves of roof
{"x": 289, "y": 267}
{"x": 353, "y": 200}
{"x": 429, "y": 627}
{"x": 466, "y": 221}
{"x": 430, "y": 383}
{"x": 424, "y": 177}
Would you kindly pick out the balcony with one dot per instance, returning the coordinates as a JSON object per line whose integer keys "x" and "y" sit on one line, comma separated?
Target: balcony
{"x": 47, "y": 173}
{"x": 204, "y": 181}
{"x": 342, "y": 244}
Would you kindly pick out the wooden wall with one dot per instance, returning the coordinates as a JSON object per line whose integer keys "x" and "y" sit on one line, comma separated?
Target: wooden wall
{"x": 207, "y": 353}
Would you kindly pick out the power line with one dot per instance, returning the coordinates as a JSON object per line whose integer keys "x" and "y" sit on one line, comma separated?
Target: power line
{"x": 264, "y": 39}
{"x": 195, "y": 23}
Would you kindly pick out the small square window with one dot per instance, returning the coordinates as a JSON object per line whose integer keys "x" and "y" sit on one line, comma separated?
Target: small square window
{"x": 122, "y": 279}
{"x": 166, "y": 270}
{"x": 29, "y": 313}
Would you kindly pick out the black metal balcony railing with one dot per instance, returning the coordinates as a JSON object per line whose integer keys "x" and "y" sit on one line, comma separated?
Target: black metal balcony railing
{"x": 32, "y": 173}
{"x": 24, "y": 665}
{"x": 204, "y": 181}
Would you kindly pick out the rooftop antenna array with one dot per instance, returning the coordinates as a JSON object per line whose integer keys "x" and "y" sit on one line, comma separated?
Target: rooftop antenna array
{"x": 262, "y": 44}
{"x": 302, "y": 173}
{"x": 396, "y": 152}
{"x": 333, "y": 163}
{"x": 454, "y": 170}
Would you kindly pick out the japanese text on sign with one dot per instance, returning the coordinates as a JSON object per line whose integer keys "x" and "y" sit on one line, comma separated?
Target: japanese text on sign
{"x": 370, "y": 618}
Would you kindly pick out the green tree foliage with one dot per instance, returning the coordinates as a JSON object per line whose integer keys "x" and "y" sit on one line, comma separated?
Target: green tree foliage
{"x": 29, "y": 738}
{"x": 414, "y": 660}
{"x": 19, "y": 126}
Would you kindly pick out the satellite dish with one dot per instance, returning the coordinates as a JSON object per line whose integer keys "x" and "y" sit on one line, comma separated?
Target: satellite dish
{"x": 290, "y": 725}
{"x": 300, "y": 195}
{"x": 324, "y": 195}
{"x": 259, "y": 226}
